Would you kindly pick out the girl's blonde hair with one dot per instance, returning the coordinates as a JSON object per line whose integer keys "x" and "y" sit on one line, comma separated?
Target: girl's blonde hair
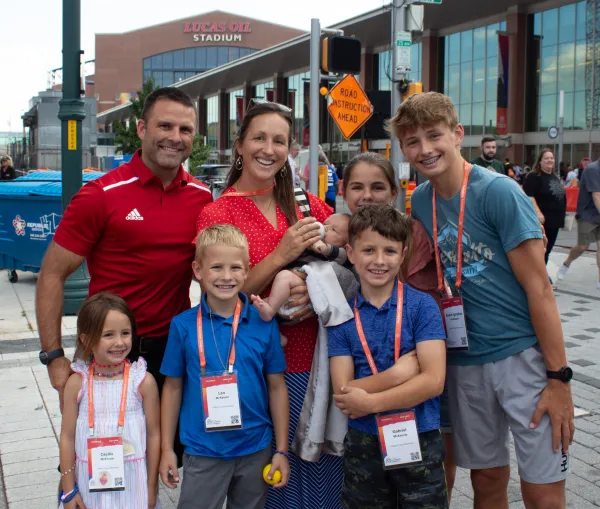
{"x": 90, "y": 323}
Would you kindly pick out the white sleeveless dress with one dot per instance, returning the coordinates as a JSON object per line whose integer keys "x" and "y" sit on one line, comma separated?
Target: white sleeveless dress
{"x": 107, "y": 398}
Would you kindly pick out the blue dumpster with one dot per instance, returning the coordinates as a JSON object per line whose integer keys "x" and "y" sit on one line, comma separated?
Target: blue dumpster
{"x": 30, "y": 210}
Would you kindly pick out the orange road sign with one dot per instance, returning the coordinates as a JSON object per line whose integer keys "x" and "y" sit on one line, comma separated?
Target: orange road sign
{"x": 349, "y": 106}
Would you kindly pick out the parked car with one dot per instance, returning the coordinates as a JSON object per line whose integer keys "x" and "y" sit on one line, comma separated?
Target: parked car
{"x": 214, "y": 176}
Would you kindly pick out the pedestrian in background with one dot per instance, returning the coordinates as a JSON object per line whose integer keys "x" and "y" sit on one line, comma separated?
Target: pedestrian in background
{"x": 294, "y": 166}
{"x": 487, "y": 159}
{"x": 7, "y": 172}
{"x": 588, "y": 218}
{"x": 548, "y": 195}
{"x": 332, "y": 181}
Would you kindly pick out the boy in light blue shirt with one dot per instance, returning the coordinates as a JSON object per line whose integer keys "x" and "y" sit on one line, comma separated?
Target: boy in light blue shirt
{"x": 513, "y": 374}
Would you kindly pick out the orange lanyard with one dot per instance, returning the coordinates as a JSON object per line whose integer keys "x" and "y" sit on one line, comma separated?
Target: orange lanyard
{"x": 249, "y": 193}
{"x": 459, "y": 244}
{"x": 363, "y": 339}
{"x": 122, "y": 406}
{"x": 234, "y": 327}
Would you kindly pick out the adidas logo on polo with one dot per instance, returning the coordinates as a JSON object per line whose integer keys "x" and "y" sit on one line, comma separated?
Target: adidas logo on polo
{"x": 134, "y": 215}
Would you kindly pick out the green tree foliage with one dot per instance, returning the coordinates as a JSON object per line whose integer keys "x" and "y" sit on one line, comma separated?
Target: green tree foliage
{"x": 126, "y": 139}
{"x": 200, "y": 153}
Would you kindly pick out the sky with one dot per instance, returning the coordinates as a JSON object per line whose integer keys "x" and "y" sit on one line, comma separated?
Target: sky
{"x": 31, "y": 40}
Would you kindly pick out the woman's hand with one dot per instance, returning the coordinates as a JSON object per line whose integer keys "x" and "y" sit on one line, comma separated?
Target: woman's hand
{"x": 541, "y": 217}
{"x": 297, "y": 238}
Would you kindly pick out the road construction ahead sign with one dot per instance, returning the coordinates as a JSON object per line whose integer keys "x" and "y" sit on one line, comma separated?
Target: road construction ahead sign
{"x": 349, "y": 106}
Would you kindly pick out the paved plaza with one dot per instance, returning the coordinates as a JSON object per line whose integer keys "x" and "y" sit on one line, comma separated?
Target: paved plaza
{"x": 30, "y": 418}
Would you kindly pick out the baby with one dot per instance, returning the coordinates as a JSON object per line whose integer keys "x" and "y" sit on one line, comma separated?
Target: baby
{"x": 334, "y": 235}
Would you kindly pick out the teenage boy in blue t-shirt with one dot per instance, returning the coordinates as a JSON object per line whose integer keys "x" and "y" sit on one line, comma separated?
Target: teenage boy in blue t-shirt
{"x": 221, "y": 462}
{"x": 513, "y": 375}
{"x": 369, "y": 380}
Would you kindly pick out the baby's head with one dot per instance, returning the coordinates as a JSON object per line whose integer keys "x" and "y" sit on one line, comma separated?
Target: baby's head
{"x": 336, "y": 229}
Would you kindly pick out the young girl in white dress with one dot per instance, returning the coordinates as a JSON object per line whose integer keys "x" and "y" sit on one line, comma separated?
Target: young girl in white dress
{"x": 103, "y": 369}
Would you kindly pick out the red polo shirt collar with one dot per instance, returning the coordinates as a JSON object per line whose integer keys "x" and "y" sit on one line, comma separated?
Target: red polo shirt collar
{"x": 145, "y": 175}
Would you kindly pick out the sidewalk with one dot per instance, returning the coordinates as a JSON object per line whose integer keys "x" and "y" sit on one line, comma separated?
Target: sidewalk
{"x": 30, "y": 419}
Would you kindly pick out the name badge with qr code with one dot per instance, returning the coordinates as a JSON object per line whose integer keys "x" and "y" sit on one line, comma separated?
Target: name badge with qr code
{"x": 454, "y": 320}
{"x": 399, "y": 440}
{"x": 106, "y": 465}
{"x": 221, "y": 402}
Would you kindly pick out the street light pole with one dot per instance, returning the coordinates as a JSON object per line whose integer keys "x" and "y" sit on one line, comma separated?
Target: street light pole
{"x": 71, "y": 114}
{"x": 396, "y": 157}
{"x": 315, "y": 80}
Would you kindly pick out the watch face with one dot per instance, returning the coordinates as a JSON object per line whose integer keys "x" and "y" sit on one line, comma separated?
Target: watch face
{"x": 566, "y": 374}
{"x": 43, "y": 357}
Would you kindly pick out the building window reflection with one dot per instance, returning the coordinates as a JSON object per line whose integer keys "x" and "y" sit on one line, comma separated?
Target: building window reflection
{"x": 212, "y": 121}
{"x": 236, "y": 113}
{"x": 562, "y": 44}
{"x": 173, "y": 66}
{"x": 298, "y": 100}
{"x": 471, "y": 76}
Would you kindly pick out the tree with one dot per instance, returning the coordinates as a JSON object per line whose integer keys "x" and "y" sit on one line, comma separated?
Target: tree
{"x": 126, "y": 139}
{"x": 200, "y": 153}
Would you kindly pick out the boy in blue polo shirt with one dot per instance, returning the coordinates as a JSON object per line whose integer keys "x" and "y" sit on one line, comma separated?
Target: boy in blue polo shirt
{"x": 394, "y": 450}
{"x": 222, "y": 384}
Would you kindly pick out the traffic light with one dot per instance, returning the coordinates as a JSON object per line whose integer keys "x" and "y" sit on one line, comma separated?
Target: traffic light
{"x": 340, "y": 54}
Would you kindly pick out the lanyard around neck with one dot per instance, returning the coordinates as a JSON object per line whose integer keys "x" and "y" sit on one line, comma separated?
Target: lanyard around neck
{"x": 398, "y": 330}
{"x": 122, "y": 406}
{"x": 234, "y": 327}
{"x": 459, "y": 243}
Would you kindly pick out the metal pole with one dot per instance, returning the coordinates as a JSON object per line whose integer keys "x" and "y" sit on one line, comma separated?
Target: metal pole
{"x": 315, "y": 79}
{"x": 396, "y": 157}
{"x": 71, "y": 113}
{"x": 561, "y": 125}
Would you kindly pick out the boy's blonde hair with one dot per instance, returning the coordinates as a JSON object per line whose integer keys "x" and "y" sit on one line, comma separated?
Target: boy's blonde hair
{"x": 221, "y": 234}
{"x": 423, "y": 110}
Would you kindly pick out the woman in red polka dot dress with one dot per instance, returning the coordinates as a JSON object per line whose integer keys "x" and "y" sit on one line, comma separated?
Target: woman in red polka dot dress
{"x": 259, "y": 200}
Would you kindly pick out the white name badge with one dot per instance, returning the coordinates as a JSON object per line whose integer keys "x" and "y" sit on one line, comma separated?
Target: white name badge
{"x": 399, "y": 440}
{"x": 221, "y": 403}
{"x": 454, "y": 320}
{"x": 106, "y": 467}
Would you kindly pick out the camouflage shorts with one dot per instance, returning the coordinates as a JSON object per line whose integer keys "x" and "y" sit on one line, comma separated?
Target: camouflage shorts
{"x": 368, "y": 486}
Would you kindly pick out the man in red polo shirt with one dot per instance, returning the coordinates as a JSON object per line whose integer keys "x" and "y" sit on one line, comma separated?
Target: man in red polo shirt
{"x": 134, "y": 226}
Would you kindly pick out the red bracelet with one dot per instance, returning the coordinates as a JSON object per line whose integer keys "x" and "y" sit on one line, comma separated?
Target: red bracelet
{"x": 284, "y": 453}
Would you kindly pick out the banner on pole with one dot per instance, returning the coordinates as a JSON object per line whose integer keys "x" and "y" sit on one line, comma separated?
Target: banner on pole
{"x": 502, "y": 99}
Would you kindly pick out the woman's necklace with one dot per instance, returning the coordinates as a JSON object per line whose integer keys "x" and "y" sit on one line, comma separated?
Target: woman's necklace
{"x": 109, "y": 375}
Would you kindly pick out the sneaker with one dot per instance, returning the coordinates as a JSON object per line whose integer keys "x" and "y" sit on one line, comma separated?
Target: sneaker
{"x": 562, "y": 272}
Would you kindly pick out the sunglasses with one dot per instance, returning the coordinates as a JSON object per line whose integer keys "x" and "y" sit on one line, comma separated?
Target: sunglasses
{"x": 256, "y": 102}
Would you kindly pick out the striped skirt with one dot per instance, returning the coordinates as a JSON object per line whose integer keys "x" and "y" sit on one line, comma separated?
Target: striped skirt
{"x": 311, "y": 485}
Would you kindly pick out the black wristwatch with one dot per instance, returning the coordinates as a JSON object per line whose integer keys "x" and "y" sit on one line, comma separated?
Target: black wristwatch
{"x": 47, "y": 357}
{"x": 564, "y": 374}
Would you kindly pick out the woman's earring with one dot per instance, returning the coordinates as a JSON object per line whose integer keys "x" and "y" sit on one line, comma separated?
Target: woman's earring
{"x": 283, "y": 170}
{"x": 239, "y": 163}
